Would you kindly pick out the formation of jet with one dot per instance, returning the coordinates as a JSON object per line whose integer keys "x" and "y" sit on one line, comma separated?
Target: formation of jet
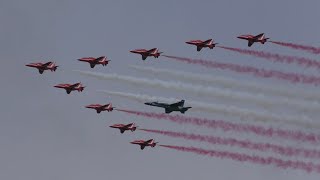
{"x": 43, "y": 66}
{"x": 143, "y": 143}
{"x": 252, "y": 39}
{"x": 125, "y": 127}
{"x": 71, "y": 87}
{"x": 202, "y": 44}
{"x": 99, "y": 107}
{"x": 178, "y": 106}
{"x": 146, "y": 53}
{"x": 94, "y": 61}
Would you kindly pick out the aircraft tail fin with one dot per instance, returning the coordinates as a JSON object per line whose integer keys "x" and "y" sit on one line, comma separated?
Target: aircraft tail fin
{"x": 154, "y": 144}
{"x": 54, "y": 68}
{"x": 182, "y": 102}
{"x": 213, "y": 45}
{"x": 264, "y": 40}
{"x": 81, "y": 88}
{"x": 134, "y": 127}
{"x": 110, "y": 107}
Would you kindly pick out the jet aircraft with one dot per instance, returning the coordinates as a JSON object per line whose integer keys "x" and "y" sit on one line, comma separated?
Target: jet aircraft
{"x": 252, "y": 39}
{"x": 125, "y": 127}
{"x": 94, "y": 61}
{"x": 144, "y": 143}
{"x": 202, "y": 44}
{"x": 71, "y": 87}
{"x": 145, "y": 53}
{"x": 99, "y": 107}
{"x": 178, "y": 106}
{"x": 43, "y": 66}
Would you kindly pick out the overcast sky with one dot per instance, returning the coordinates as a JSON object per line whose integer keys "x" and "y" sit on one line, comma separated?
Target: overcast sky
{"x": 47, "y": 134}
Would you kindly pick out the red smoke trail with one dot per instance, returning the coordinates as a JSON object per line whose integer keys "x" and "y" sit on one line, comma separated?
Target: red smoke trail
{"x": 283, "y": 150}
{"x": 291, "y": 77}
{"x": 228, "y": 126}
{"x": 276, "y": 57}
{"x": 306, "y": 166}
{"x": 310, "y": 49}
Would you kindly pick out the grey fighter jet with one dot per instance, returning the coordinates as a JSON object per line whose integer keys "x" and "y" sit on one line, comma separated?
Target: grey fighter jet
{"x": 178, "y": 106}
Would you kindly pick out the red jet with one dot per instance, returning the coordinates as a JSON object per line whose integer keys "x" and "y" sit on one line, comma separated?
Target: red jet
{"x": 202, "y": 44}
{"x": 94, "y": 61}
{"x": 71, "y": 87}
{"x": 252, "y": 39}
{"x": 99, "y": 107}
{"x": 144, "y": 143}
{"x": 125, "y": 127}
{"x": 43, "y": 66}
{"x": 145, "y": 53}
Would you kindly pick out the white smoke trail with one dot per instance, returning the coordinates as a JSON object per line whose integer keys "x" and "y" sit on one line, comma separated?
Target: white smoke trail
{"x": 233, "y": 83}
{"x": 259, "y": 99}
{"x": 243, "y": 114}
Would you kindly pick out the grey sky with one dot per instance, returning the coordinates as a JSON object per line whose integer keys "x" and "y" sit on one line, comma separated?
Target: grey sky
{"x": 47, "y": 134}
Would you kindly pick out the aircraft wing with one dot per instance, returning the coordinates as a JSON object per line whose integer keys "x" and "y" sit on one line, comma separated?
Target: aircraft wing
{"x": 207, "y": 41}
{"x": 152, "y": 50}
{"x": 180, "y": 103}
{"x": 46, "y": 64}
{"x": 258, "y": 36}
{"x": 99, "y": 58}
{"x": 106, "y": 105}
{"x": 148, "y": 141}
{"x": 128, "y": 125}
{"x": 250, "y": 43}
{"x": 74, "y": 85}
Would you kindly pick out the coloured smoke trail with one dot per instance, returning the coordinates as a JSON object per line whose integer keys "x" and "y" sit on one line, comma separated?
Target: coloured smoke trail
{"x": 291, "y": 77}
{"x": 283, "y": 164}
{"x": 310, "y": 49}
{"x": 228, "y": 126}
{"x": 259, "y": 98}
{"x": 276, "y": 57}
{"x": 231, "y": 83}
{"x": 243, "y": 114}
{"x": 264, "y": 147}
